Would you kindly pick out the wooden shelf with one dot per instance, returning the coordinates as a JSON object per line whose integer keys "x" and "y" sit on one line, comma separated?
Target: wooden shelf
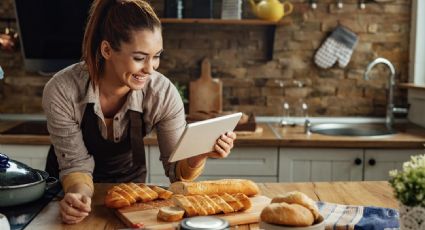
{"x": 411, "y": 86}
{"x": 218, "y": 21}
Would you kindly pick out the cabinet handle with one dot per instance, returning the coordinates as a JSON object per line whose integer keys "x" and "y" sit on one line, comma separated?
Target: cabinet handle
{"x": 358, "y": 161}
{"x": 372, "y": 162}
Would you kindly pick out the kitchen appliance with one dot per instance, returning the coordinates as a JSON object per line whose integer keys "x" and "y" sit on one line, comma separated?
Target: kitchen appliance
{"x": 146, "y": 213}
{"x": 205, "y": 94}
{"x": 20, "y": 183}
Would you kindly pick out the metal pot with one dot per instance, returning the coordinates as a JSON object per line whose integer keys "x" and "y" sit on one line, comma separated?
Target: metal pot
{"x": 20, "y": 183}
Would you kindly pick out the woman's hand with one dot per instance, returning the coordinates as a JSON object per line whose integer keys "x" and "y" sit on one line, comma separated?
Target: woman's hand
{"x": 74, "y": 207}
{"x": 222, "y": 149}
{"x": 223, "y": 146}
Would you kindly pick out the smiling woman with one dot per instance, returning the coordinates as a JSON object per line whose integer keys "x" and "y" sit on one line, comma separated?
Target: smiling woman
{"x": 99, "y": 110}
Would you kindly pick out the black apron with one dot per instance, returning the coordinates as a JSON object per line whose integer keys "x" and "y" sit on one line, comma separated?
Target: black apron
{"x": 114, "y": 162}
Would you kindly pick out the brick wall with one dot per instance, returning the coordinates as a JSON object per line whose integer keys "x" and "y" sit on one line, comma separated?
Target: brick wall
{"x": 252, "y": 81}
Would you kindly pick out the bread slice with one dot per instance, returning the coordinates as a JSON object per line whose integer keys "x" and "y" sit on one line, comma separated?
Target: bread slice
{"x": 225, "y": 207}
{"x": 125, "y": 194}
{"x": 197, "y": 205}
{"x": 170, "y": 214}
{"x": 162, "y": 193}
{"x": 143, "y": 196}
{"x": 184, "y": 203}
{"x": 216, "y": 207}
{"x": 236, "y": 204}
{"x": 130, "y": 191}
{"x": 152, "y": 193}
{"x": 205, "y": 204}
{"x": 116, "y": 200}
{"x": 246, "y": 202}
{"x": 231, "y": 186}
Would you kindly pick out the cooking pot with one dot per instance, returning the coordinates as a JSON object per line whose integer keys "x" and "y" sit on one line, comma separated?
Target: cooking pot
{"x": 20, "y": 183}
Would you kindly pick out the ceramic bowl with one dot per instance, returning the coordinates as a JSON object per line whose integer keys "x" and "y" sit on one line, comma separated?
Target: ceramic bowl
{"x": 318, "y": 225}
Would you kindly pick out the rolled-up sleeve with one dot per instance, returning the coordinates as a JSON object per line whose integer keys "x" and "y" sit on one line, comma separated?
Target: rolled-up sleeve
{"x": 170, "y": 127}
{"x": 59, "y": 105}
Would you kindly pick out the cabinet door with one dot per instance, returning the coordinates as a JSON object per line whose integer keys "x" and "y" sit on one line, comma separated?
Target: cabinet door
{"x": 378, "y": 162}
{"x": 309, "y": 164}
{"x": 258, "y": 164}
{"x": 33, "y": 155}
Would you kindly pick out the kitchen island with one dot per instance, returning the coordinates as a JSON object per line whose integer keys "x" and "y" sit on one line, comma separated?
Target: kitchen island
{"x": 354, "y": 193}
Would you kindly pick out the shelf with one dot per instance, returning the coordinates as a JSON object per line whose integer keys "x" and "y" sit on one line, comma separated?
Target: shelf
{"x": 411, "y": 86}
{"x": 218, "y": 21}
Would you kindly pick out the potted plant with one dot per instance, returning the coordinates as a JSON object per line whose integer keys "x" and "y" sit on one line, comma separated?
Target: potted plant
{"x": 409, "y": 189}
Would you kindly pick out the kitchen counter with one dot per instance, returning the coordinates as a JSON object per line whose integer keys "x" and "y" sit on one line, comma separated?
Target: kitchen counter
{"x": 272, "y": 135}
{"x": 354, "y": 193}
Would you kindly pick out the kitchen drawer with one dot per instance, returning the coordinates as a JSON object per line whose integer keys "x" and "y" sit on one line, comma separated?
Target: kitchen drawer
{"x": 162, "y": 180}
{"x": 241, "y": 162}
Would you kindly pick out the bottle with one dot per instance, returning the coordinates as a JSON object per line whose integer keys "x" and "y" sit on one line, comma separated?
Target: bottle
{"x": 173, "y": 9}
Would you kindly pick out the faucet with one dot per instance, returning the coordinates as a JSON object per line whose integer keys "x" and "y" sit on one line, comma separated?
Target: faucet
{"x": 389, "y": 120}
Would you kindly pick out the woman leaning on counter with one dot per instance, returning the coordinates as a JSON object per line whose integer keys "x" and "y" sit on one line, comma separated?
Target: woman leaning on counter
{"x": 98, "y": 110}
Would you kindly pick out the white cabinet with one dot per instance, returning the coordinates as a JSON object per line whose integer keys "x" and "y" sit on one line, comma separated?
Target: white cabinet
{"x": 320, "y": 164}
{"x": 33, "y": 155}
{"x": 258, "y": 164}
{"x": 378, "y": 162}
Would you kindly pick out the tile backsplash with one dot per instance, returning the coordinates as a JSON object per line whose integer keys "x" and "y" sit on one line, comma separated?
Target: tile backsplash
{"x": 254, "y": 82}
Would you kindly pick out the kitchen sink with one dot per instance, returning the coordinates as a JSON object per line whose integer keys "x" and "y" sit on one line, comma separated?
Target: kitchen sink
{"x": 336, "y": 129}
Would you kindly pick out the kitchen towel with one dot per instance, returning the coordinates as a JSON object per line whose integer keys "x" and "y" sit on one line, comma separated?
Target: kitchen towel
{"x": 337, "y": 47}
{"x": 351, "y": 217}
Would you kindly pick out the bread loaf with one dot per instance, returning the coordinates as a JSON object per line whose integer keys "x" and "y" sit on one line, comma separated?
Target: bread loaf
{"x": 202, "y": 205}
{"x": 300, "y": 198}
{"x": 230, "y": 186}
{"x": 287, "y": 214}
{"x": 126, "y": 194}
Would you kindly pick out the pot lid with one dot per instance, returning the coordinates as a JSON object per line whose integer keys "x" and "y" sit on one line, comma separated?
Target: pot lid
{"x": 15, "y": 173}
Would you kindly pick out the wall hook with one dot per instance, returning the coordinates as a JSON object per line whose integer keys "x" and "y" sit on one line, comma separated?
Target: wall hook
{"x": 362, "y": 4}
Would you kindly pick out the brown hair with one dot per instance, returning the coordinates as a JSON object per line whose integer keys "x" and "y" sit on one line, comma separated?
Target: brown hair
{"x": 113, "y": 21}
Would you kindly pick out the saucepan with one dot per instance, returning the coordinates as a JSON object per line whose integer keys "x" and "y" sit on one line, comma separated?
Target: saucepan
{"x": 20, "y": 183}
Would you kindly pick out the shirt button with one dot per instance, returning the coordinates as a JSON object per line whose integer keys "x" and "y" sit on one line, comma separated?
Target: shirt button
{"x": 116, "y": 118}
{"x": 116, "y": 138}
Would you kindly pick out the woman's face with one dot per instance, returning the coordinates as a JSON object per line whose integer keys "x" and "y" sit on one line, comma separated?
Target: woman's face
{"x": 133, "y": 64}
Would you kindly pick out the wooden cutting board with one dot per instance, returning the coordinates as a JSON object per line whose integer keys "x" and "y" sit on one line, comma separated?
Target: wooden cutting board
{"x": 146, "y": 214}
{"x": 205, "y": 94}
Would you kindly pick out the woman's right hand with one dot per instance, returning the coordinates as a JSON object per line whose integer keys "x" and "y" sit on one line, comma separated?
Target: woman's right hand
{"x": 74, "y": 207}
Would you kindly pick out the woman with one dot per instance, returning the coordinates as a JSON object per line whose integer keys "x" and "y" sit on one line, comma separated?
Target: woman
{"x": 99, "y": 110}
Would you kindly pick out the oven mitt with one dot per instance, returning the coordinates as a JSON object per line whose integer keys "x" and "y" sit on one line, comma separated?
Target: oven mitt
{"x": 337, "y": 47}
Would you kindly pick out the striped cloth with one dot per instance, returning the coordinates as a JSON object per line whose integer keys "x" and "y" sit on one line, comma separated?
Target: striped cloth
{"x": 350, "y": 217}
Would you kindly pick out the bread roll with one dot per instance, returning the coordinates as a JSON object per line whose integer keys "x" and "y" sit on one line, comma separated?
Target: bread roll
{"x": 170, "y": 213}
{"x": 287, "y": 214}
{"x": 230, "y": 186}
{"x": 296, "y": 197}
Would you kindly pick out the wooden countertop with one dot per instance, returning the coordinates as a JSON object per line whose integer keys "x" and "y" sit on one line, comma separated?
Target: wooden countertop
{"x": 272, "y": 135}
{"x": 354, "y": 193}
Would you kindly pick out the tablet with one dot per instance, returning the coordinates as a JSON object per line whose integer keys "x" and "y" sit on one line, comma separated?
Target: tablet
{"x": 200, "y": 137}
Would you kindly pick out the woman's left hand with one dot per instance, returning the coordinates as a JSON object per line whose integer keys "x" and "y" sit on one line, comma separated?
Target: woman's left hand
{"x": 223, "y": 145}
{"x": 222, "y": 149}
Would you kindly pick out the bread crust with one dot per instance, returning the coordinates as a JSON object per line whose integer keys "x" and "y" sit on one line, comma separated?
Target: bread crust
{"x": 296, "y": 197}
{"x": 170, "y": 214}
{"x": 182, "y": 202}
{"x": 231, "y": 186}
{"x": 287, "y": 214}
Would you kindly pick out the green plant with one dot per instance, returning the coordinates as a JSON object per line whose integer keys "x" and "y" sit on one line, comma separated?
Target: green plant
{"x": 409, "y": 183}
{"x": 182, "y": 91}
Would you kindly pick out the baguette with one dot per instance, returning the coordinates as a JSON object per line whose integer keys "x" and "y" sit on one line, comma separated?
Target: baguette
{"x": 183, "y": 202}
{"x": 170, "y": 213}
{"x": 202, "y": 205}
{"x": 230, "y": 186}
{"x": 126, "y": 194}
{"x": 162, "y": 193}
